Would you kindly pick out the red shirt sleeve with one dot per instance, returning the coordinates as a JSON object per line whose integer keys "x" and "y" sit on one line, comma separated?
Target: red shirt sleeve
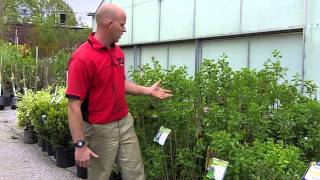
{"x": 78, "y": 79}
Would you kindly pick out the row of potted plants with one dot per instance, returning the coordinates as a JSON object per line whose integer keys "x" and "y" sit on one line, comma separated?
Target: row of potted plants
{"x": 21, "y": 70}
{"x": 16, "y": 66}
{"x": 43, "y": 116}
{"x": 257, "y": 120}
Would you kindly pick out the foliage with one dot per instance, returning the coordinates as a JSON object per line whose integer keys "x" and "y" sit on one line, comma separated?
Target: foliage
{"x": 244, "y": 117}
{"x": 258, "y": 121}
{"x": 57, "y": 120}
{"x": 39, "y": 112}
{"x": 175, "y": 112}
{"x": 58, "y": 67}
{"x": 50, "y": 38}
{"x": 31, "y": 11}
{"x": 17, "y": 67}
{"x": 54, "y": 42}
{"x": 25, "y": 104}
{"x": 257, "y": 160}
{"x": 47, "y": 113}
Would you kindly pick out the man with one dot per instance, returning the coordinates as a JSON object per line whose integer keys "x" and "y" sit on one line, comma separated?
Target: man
{"x": 101, "y": 127}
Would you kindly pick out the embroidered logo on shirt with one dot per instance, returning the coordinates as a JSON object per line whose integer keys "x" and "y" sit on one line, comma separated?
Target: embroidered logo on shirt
{"x": 120, "y": 61}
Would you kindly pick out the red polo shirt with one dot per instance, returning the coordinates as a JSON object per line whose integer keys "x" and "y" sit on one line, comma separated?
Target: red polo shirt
{"x": 96, "y": 76}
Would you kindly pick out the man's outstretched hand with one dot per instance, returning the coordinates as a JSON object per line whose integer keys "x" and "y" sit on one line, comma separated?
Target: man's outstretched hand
{"x": 156, "y": 91}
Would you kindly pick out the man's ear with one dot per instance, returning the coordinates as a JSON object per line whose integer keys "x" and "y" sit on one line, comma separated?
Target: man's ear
{"x": 109, "y": 22}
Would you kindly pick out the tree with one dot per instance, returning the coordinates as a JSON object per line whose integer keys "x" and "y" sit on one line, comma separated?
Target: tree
{"x": 55, "y": 41}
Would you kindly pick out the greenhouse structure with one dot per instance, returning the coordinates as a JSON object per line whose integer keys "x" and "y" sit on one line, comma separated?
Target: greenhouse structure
{"x": 184, "y": 32}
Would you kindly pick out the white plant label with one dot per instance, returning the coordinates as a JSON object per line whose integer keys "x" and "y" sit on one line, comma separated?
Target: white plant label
{"x": 313, "y": 172}
{"x": 162, "y": 135}
{"x": 44, "y": 118}
{"x": 52, "y": 99}
{"x": 59, "y": 99}
{"x": 217, "y": 169}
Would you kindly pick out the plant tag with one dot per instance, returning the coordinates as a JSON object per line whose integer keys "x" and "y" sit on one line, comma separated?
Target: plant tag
{"x": 54, "y": 96}
{"x": 162, "y": 135}
{"x": 59, "y": 99}
{"x": 43, "y": 118}
{"x": 313, "y": 172}
{"x": 217, "y": 169}
{"x": 52, "y": 99}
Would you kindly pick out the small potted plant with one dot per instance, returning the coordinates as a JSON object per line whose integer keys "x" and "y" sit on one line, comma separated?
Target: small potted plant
{"x": 14, "y": 98}
{"x": 58, "y": 129}
{"x": 2, "y": 98}
{"x": 38, "y": 114}
{"x": 24, "y": 119}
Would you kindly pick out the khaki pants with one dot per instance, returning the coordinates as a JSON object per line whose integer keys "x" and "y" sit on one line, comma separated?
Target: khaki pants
{"x": 114, "y": 142}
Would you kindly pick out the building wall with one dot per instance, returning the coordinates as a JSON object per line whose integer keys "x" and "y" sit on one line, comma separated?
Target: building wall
{"x": 164, "y": 20}
{"x": 183, "y": 32}
{"x": 242, "y": 52}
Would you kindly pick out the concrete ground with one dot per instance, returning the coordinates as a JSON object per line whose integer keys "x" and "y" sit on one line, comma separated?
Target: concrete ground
{"x": 20, "y": 161}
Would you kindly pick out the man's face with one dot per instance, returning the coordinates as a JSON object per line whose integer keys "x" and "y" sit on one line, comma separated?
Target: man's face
{"x": 118, "y": 27}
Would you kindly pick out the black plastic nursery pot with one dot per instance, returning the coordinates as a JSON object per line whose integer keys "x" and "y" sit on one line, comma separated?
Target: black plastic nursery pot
{"x": 44, "y": 145}
{"x": 115, "y": 176}
{"x": 13, "y": 103}
{"x": 65, "y": 157}
{"x": 49, "y": 148}
{"x": 39, "y": 140}
{"x": 29, "y": 136}
{"x": 82, "y": 172}
{"x": 3, "y": 100}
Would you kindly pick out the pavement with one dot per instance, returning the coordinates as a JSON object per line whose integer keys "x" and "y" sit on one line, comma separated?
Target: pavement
{"x": 20, "y": 161}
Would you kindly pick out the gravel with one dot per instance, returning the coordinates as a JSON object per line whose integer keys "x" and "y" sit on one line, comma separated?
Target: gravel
{"x": 20, "y": 161}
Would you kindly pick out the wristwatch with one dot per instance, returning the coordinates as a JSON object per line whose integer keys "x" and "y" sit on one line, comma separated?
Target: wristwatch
{"x": 79, "y": 143}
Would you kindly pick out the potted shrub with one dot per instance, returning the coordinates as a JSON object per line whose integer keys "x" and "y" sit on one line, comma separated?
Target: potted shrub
{"x": 59, "y": 132}
{"x": 2, "y": 98}
{"x": 24, "y": 119}
{"x": 38, "y": 114}
{"x": 13, "y": 98}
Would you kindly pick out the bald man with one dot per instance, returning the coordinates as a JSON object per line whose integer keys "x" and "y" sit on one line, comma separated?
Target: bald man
{"x": 101, "y": 126}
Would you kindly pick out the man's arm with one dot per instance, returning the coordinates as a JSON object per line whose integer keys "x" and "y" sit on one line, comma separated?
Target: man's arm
{"x": 75, "y": 119}
{"x": 155, "y": 90}
{"x": 82, "y": 155}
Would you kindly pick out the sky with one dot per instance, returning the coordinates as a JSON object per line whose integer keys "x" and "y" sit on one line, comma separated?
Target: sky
{"x": 82, "y": 7}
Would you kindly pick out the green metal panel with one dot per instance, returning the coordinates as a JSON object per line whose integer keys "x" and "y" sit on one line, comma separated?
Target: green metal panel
{"x": 236, "y": 50}
{"x": 261, "y": 15}
{"x": 129, "y": 56}
{"x": 290, "y": 47}
{"x": 176, "y": 19}
{"x": 217, "y": 17}
{"x": 145, "y": 21}
{"x": 183, "y": 54}
{"x": 160, "y": 52}
{"x": 127, "y": 6}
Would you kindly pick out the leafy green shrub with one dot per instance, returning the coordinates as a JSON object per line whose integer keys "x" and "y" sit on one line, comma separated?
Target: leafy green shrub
{"x": 175, "y": 112}
{"x": 57, "y": 121}
{"x": 245, "y": 117}
{"x": 257, "y": 160}
{"x": 41, "y": 103}
{"x": 24, "y": 112}
{"x": 17, "y": 67}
